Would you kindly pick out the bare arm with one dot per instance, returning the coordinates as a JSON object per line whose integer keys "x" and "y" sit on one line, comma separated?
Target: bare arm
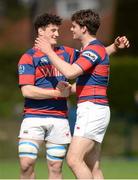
{"x": 111, "y": 49}
{"x": 33, "y": 92}
{"x": 119, "y": 43}
{"x": 70, "y": 71}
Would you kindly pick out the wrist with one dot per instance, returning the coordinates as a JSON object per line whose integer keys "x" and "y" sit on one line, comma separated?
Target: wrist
{"x": 49, "y": 51}
{"x": 56, "y": 93}
{"x": 115, "y": 47}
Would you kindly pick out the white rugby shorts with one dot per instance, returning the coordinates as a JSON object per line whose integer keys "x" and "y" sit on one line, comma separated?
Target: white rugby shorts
{"x": 92, "y": 121}
{"x": 54, "y": 130}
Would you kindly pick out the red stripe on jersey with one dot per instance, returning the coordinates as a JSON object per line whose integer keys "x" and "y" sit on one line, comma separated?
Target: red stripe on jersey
{"x": 26, "y": 59}
{"x": 71, "y": 53}
{"x": 60, "y": 53}
{"x": 26, "y": 79}
{"x": 39, "y": 72}
{"x": 91, "y": 90}
{"x": 45, "y": 112}
{"x": 83, "y": 63}
{"x": 101, "y": 70}
{"x": 38, "y": 53}
{"x": 100, "y": 50}
{"x": 101, "y": 101}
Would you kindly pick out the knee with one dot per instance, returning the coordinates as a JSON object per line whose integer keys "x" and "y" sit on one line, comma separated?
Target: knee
{"x": 55, "y": 167}
{"x": 26, "y": 165}
{"x": 72, "y": 161}
{"x": 96, "y": 168}
{"x": 28, "y": 151}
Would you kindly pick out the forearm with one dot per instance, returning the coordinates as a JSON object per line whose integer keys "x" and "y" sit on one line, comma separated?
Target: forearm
{"x": 65, "y": 68}
{"x": 111, "y": 49}
{"x": 34, "y": 92}
{"x": 70, "y": 71}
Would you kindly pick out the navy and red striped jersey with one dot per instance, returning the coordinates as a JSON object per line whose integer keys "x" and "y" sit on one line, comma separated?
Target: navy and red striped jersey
{"x": 92, "y": 84}
{"x": 35, "y": 69}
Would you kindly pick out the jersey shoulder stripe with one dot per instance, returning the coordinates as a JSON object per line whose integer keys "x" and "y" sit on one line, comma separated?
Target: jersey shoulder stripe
{"x": 98, "y": 50}
{"x": 74, "y": 53}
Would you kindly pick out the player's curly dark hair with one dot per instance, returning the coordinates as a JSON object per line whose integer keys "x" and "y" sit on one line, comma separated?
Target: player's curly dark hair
{"x": 45, "y": 19}
{"x": 88, "y": 18}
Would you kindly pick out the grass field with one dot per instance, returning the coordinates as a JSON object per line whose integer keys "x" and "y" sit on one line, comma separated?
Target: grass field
{"x": 112, "y": 168}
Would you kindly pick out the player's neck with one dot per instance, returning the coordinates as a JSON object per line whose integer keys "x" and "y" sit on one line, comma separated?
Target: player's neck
{"x": 53, "y": 46}
{"x": 86, "y": 40}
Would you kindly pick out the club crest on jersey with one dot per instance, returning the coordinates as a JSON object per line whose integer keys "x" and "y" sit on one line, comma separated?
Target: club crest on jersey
{"x": 21, "y": 69}
{"x": 92, "y": 56}
{"x": 44, "y": 60}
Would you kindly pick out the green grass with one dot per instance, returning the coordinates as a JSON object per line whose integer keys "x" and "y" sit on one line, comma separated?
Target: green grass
{"x": 112, "y": 169}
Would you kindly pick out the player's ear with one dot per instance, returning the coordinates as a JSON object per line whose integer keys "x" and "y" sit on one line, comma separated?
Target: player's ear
{"x": 84, "y": 29}
{"x": 40, "y": 31}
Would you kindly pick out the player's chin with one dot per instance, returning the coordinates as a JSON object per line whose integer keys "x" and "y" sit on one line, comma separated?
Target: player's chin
{"x": 74, "y": 37}
{"x": 53, "y": 42}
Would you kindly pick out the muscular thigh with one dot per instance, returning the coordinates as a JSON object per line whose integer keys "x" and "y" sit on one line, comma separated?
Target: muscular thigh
{"x": 80, "y": 146}
{"x": 92, "y": 158}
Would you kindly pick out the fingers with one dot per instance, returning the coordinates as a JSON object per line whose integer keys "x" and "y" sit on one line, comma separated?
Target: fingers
{"x": 63, "y": 85}
{"x": 117, "y": 42}
{"x": 124, "y": 41}
{"x": 37, "y": 43}
{"x": 66, "y": 91}
{"x": 43, "y": 44}
{"x": 41, "y": 39}
{"x": 127, "y": 44}
{"x": 117, "y": 39}
{"x": 121, "y": 42}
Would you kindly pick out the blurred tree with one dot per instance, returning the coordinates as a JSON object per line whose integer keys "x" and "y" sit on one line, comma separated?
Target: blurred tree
{"x": 12, "y": 9}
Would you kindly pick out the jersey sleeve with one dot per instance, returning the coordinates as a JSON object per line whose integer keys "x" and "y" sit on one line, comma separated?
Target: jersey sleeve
{"x": 87, "y": 59}
{"x": 26, "y": 70}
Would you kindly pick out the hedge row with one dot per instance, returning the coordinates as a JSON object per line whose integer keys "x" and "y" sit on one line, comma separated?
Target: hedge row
{"x": 123, "y": 83}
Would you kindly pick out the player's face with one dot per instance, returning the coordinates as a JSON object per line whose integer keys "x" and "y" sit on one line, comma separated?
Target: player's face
{"x": 76, "y": 30}
{"x": 51, "y": 32}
